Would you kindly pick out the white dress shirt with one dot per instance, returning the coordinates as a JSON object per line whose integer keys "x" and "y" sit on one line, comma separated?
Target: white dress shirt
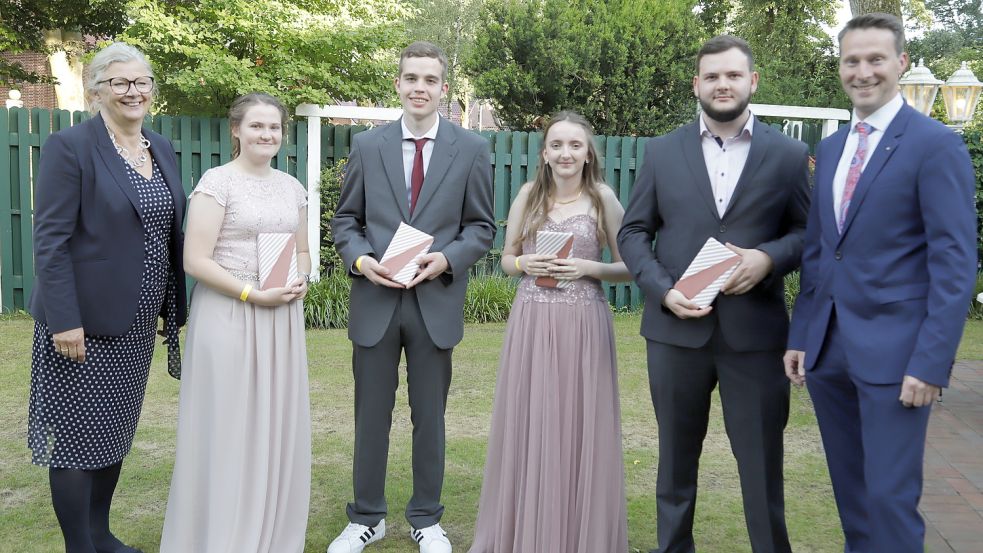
{"x": 409, "y": 152}
{"x": 725, "y": 162}
{"x": 879, "y": 120}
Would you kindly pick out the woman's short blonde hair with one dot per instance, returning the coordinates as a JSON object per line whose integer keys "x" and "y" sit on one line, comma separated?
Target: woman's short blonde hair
{"x": 95, "y": 70}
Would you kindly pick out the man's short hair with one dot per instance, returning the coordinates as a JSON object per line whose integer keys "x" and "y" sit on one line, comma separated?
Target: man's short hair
{"x": 884, "y": 21}
{"x": 722, "y": 43}
{"x": 424, "y": 49}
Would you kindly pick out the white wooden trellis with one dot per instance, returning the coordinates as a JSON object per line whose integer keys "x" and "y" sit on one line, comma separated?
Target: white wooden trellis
{"x": 314, "y": 114}
{"x": 830, "y": 117}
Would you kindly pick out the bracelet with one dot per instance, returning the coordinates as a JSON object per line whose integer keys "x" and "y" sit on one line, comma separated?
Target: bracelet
{"x": 245, "y": 292}
{"x": 358, "y": 263}
{"x": 517, "y": 266}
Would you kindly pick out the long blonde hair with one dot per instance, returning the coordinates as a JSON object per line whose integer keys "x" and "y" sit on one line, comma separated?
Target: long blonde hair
{"x": 543, "y": 191}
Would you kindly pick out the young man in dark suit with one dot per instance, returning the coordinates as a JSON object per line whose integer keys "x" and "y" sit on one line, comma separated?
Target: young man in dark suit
{"x": 730, "y": 177}
{"x": 887, "y": 277}
{"x": 436, "y": 177}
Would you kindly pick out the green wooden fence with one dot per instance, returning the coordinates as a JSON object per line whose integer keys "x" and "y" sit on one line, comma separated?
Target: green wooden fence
{"x": 202, "y": 143}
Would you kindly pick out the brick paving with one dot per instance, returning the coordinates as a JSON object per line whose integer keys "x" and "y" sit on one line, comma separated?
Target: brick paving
{"x": 952, "y": 499}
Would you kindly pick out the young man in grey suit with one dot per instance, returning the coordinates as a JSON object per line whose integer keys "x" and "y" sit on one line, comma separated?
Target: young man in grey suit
{"x": 436, "y": 177}
{"x": 733, "y": 178}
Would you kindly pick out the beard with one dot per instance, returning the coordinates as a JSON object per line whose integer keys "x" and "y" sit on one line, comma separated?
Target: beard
{"x": 724, "y": 116}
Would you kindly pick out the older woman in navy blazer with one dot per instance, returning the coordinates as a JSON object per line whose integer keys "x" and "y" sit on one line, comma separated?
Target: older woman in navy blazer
{"x": 109, "y": 206}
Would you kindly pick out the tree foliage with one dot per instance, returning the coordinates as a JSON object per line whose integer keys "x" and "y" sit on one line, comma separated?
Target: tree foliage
{"x": 208, "y": 52}
{"x": 794, "y": 54}
{"x": 626, "y": 65}
{"x": 22, "y": 24}
{"x": 861, "y": 7}
{"x": 713, "y": 15}
{"x": 452, "y": 25}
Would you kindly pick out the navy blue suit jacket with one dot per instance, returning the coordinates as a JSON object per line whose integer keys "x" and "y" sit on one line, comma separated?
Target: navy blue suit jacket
{"x": 88, "y": 232}
{"x": 902, "y": 273}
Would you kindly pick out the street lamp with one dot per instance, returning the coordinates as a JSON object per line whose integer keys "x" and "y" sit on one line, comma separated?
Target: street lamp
{"x": 961, "y": 94}
{"x": 919, "y": 87}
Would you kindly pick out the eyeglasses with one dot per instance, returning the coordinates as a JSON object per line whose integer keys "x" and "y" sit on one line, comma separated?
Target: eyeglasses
{"x": 121, "y": 85}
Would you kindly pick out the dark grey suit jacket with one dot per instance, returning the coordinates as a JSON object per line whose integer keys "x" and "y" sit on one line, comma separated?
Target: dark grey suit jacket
{"x": 455, "y": 206}
{"x": 672, "y": 203}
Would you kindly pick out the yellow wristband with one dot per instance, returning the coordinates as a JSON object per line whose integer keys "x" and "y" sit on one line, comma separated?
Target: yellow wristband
{"x": 358, "y": 263}
{"x": 245, "y": 292}
{"x": 517, "y": 267}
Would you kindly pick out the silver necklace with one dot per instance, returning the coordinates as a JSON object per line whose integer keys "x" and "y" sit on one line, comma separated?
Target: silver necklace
{"x": 125, "y": 154}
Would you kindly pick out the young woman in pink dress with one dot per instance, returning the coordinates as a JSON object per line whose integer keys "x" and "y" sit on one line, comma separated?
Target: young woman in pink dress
{"x": 554, "y": 478}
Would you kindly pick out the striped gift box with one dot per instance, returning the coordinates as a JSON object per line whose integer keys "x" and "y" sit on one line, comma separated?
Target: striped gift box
{"x": 407, "y": 245}
{"x": 276, "y": 254}
{"x": 708, "y": 272}
{"x": 553, "y": 243}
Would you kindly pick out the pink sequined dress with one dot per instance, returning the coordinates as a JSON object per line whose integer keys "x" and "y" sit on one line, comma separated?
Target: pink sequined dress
{"x": 554, "y": 478}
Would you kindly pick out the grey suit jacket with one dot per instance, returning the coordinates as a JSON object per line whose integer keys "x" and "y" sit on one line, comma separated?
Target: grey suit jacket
{"x": 455, "y": 206}
{"x": 672, "y": 203}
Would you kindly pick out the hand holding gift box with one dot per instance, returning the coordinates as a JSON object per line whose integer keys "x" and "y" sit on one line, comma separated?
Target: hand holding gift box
{"x": 553, "y": 243}
{"x": 708, "y": 272}
{"x": 277, "y": 259}
{"x": 404, "y": 251}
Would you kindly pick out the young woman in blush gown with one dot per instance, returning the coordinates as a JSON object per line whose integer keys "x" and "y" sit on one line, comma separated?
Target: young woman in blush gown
{"x": 242, "y": 474}
{"x": 554, "y": 478}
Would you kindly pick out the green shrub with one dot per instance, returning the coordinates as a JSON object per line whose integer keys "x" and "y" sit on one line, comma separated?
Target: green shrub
{"x": 326, "y": 304}
{"x": 489, "y": 297}
{"x": 331, "y": 177}
{"x": 974, "y": 142}
{"x": 791, "y": 289}
{"x": 975, "y": 307}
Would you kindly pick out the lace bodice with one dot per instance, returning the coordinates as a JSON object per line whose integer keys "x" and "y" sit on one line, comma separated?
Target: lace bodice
{"x": 585, "y": 246}
{"x": 252, "y": 205}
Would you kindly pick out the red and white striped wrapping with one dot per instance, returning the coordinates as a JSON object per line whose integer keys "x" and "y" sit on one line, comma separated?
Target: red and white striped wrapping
{"x": 708, "y": 272}
{"x": 553, "y": 243}
{"x": 407, "y": 245}
{"x": 276, "y": 254}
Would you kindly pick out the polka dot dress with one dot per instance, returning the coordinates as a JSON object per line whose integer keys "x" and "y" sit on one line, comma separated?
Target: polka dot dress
{"x": 84, "y": 415}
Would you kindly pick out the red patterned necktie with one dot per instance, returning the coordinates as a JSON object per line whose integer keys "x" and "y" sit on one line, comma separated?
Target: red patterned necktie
{"x": 416, "y": 177}
{"x": 853, "y": 174}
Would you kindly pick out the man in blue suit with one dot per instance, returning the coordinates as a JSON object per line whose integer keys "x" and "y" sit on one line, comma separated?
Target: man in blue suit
{"x": 888, "y": 270}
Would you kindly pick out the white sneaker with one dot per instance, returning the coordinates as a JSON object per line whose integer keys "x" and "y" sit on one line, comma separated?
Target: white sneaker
{"x": 432, "y": 539}
{"x": 355, "y": 537}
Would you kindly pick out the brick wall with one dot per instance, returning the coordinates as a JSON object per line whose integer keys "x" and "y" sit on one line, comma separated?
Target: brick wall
{"x": 33, "y": 95}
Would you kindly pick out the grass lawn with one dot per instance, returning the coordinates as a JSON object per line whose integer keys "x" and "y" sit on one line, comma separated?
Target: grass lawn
{"x": 28, "y": 523}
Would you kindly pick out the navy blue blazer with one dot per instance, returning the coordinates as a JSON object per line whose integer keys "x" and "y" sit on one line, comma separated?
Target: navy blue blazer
{"x": 902, "y": 273}
{"x": 88, "y": 232}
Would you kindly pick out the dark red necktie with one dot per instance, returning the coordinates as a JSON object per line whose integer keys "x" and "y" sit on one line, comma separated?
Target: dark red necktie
{"x": 416, "y": 177}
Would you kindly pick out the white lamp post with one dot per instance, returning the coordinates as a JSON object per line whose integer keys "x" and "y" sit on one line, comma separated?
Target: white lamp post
{"x": 961, "y": 93}
{"x": 919, "y": 87}
{"x": 13, "y": 99}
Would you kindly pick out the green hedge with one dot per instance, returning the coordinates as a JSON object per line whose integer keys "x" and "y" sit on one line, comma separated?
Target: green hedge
{"x": 974, "y": 141}
{"x": 331, "y": 177}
